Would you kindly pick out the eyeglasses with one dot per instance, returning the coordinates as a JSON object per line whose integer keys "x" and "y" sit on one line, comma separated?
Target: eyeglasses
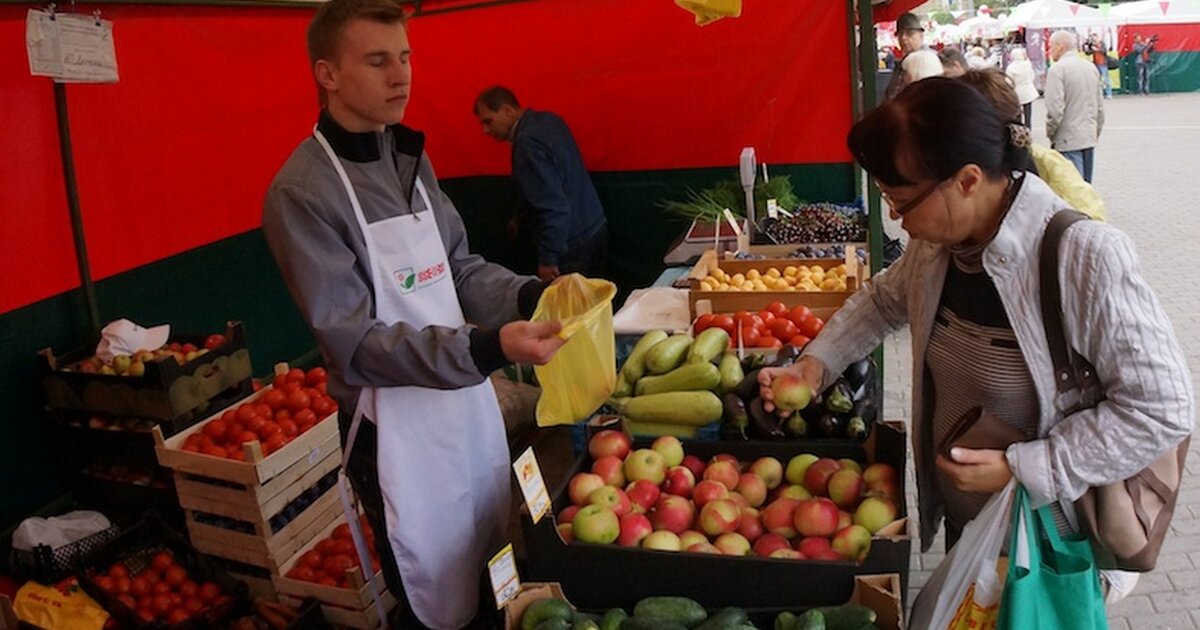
{"x": 911, "y": 205}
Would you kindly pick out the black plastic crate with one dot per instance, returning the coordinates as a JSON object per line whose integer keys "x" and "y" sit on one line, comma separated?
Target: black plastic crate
{"x": 51, "y": 565}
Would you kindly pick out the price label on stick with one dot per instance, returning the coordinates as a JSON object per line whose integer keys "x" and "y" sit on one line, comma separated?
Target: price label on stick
{"x": 502, "y": 569}
{"x": 529, "y": 476}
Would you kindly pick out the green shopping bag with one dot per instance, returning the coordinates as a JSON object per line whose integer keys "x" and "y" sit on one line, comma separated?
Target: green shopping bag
{"x": 1053, "y": 581}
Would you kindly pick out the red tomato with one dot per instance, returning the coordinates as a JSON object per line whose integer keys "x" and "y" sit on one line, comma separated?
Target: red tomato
{"x": 811, "y": 326}
{"x": 783, "y": 328}
{"x": 146, "y": 614}
{"x": 289, "y": 428}
{"x": 282, "y": 414}
{"x": 703, "y": 323}
{"x": 161, "y": 588}
{"x": 292, "y": 386}
{"x": 305, "y": 416}
{"x": 246, "y": 436}
{"x": 214, "y": 451}
{"x": 275, "y": 399}
{"x": 235, "y": 453}
{"x": 216, "y": 429}
{"x": 741, "y": 317}
{"x": 750, "y": 336}
{"x": 311, "y": 559}
{"x": 178, "y": 615}
{"x": 128, "y": 601}
{"x": 325, "y": 580}
{"x": 296, "y": 375}
{"x": 799, "y": 341}
{"x": 104, "y": 583}
{"x": 245, "y": 413}
{"x": 263, "y": 410}
{"x": 726, "y": 323}
{"x": 188, "y": 588}
{"x": 188, "y": 347}
{"x": 799, "y": 313}
{"x": 304, "y": 574}
{"x": 121, "y": 585}
{"x": 139, "y": 587}
{"x": 321, "y": 388}
{"x": 151, "y": 576}
{"x": 279, "y": 381}
{"x": 337, "y": 564}
{"x": 176, "y": 599}
{"x": 193, "y": 604}
{"x": 268, "y": 429}
{"x": 274, "y": 443}
{"x": 233, "y": 432}
{"x": 315, "y": 375}
{"x": 777, "y": 308}
{"x": 344, "y": 548}
{"x": 323, "y": 546}
{"x": 162, "y": 604}
{"x": 321, "y": 408}
{"x": 175, "y": 575}
{"x": 298, "y": 400}
{"x": 255, "y": 424}
{"x": 767, "y": 341}
{"x": 229, "y": 416}
{"x": 209, "y": 591}
{"x": 214, "y": 341}
{"x": 767, "y": 317}
{"x": 341, "y": 532}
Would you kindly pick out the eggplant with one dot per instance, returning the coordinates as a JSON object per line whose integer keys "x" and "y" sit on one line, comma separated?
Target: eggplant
{"x": 735, "y": 413}
{"x": 829, "y": 425}
{"x": 795, "y": 426}
{"x": 786, "y": 356}
{"x": 860, "y": 372}
{"x": 865, "y": 391}
{"x": 749, "y": 386}
{"x": 856, "y": 429}
{"x": 762, "y": 424}
{"x": 753, "y": 361}
{"x": 839, "y": 398}
{"x": 866, "y": 410}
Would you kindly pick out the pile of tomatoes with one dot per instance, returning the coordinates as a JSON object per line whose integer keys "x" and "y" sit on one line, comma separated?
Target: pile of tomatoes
{"x": 771, "y": 327}
{"x": 295, "y": 402}
{"x": 327, "y": 563}
{"x": 162, "y": 592}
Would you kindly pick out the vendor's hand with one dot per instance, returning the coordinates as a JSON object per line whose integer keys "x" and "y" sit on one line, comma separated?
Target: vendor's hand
{"x": 547, "y": 272}
{"x": 976, "y": 470}
{"x": 530, "y": 342}
{"x": 810, "y": 370}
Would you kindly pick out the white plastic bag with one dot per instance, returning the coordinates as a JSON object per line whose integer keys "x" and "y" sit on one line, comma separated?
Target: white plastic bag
{"x": 58, "y": 530}
{"x": 971, "y": 563}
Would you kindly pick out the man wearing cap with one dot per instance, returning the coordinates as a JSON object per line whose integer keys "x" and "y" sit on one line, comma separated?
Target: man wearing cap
{"x": 911, "y": 36}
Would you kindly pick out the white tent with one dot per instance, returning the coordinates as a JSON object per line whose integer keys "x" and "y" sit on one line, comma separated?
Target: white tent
{"x": 981, "y": 26}
{"x": 1056, "y": 14}
{"x": 1156, "y": 12}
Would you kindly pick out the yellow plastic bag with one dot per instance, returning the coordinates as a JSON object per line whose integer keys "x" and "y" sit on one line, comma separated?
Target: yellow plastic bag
{"x": 709, "y": 11}
{"x": 63, "y": 606}
{"x": 583, "y": 373}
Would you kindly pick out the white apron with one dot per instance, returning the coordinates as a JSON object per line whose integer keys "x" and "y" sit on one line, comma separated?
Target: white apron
{"x": 443, "y": 457}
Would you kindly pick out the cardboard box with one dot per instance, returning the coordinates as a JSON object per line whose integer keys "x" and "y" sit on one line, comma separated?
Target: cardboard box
{"x": 529, "y": 593}
{"x": 604, "y": 576}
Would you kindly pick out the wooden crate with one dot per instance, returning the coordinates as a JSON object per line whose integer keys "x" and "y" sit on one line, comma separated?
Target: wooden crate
{"x": 823, "y": 303}
{"x": 352, "y": 607}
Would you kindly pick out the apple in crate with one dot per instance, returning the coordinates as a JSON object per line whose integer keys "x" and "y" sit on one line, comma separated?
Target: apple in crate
{"x": 611, "y": 498}
{"x": 720, "y": 516}
{"x": 694, "y": 464}
{"x": 680, "y": 481}
{"x": 611, "y": 470}
{"x": 609, "y": 442}
{"x": 672, "y": 513}
{"x": 662, "y": 540}
{"x": 709, "y": 490}
{"x": 816, "y": 478}
{"x": 769, "y": 470}
{"x": 596, "y": 524}
{"x": 643, "y": 494}
{"x": 779, "y": 517}
{"x": 787, "y": 553}
{"x": 724, "y": 457}
{"x": 738, "y": 500}
{"x": 877, "y": 472}
{"x": 751, "y": 524}
{"x": 634, "y": 528}
{"x": 567, "y": 514}
{"x": 817, "y": 516}
{"x": 732, "y": 544}
{"x": 645, "y": 464}
{"x": 846, "y": 488}
{"x": 566, "y": 532}
{"x": 794, "y": 492}
{"x": 670, "y": 448}
{"x": 724, "y": 472}
{"x": 873, "y": 513}
{"x": 850, "y": 464}
{"x": 689, "y": 537}
{"x": 797, "y": 466}
{"x": 768, "y": 543}
{"x": 703, "y": 547}
{"x": 753, "y": 488}
{"x": 845, "y": 519}
{"x": 582, "y": 485}
{"x": 814, "y": 546}
{"x": 852, "y": 542}
{"x": 884, "y": 490}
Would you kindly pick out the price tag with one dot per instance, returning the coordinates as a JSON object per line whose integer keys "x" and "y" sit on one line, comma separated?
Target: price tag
{"x": 529, "y": 476}
{"x": 772, "y": 204}
{"x": 502, "y": 569}
{"x": 70, "y": 47}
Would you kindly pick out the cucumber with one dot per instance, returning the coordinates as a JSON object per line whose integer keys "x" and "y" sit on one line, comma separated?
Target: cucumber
{"x": 635, "y": 364}
{"x": 585, "y": 621}
{"x": 690, "y": 408}
{"x": 785, "y": 621}
{"x": 810, "y": 620}
{"x": 731, "y": 372}
{"x": 708, "y": 346}
{"x": 668, "y": 354}
{"x": 680, "y": 609}
{"x": 553, "y": 624}
{"x": 847, "y": 616}
{"x": 544, "y": 609}
{"x": 612, "y": 619}
{"x": 690, "y": 377}
{"x": 624, "y": 388}
{"x": 651, "y": 623}
{"x": 725, "y": 619}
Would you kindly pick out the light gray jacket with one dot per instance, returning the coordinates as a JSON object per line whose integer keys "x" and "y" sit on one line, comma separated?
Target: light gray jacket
{"x": 1112, "y": 317}
{"x": 1074, "y": 104}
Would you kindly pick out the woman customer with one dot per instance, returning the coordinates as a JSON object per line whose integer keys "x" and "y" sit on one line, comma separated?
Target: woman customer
{"x": 968, "y": 287}
{"x": 1054, "y": 169}
{"x": 1020, "y": 70}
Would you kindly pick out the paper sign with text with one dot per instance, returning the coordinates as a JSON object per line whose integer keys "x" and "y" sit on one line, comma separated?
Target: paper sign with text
{"x": 529, "y": 476}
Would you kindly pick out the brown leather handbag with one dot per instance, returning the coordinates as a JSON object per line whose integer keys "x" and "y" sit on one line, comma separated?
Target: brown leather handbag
{"x": 1128, "y": 520}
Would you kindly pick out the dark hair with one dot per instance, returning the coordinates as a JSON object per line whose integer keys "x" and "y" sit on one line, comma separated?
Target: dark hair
{"x": 998, "y": 89}
{"x": 940, "y": 125}
{"x": 952, "y": 55}
{"x": 496, "y": 97}
{"x": 325, "y": 30}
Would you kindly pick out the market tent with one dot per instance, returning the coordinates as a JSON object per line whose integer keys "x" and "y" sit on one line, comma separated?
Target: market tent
{"x": 980, "y": 27}
{"x": 1054, "y": 14}
{"x": 1175, "y": 65}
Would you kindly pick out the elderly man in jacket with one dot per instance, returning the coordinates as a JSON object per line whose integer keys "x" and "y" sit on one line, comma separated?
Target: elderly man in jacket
{"x": 1074, "y": 104}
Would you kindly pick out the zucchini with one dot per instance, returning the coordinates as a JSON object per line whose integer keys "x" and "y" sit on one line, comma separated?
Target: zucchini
{"x": 690, "y": 377}
{"x": 635, "y": 364}
{"x": 679, "y": 609}
{"x": 810, "y": 620}
{"x": 651, "y": 623}
{"x": 731, "y": 372}
{"x": 585, "y": 621}
{"x": 612, "y": 619}
{"x": 725, "y": 619}
{"x": 708, "y": 346}
{"x": 785, "y": 621}
{"x": 668, "y": 354}
{"x": 690, "y": 408}
{"x": 554, "y": 623}
{"x": 847, "y": 616}
{"x": 624, "y": 388}
{"x": 544, "y": 609}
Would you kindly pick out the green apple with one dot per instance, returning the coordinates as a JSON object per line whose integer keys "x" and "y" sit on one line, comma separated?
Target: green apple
{"x": 797, "y": 466}
{"x": 596, "y": 524}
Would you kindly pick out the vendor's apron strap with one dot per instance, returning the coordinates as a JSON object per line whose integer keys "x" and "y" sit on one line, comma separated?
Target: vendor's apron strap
{"x": 350, "y": 508}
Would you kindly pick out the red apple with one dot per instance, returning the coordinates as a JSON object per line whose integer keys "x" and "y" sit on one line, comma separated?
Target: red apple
{"x": 732, "y": 544}
{"x": 779, "y": 517}
{"x": 708, "y": 490}
{"x": 566, "y": 532}
{"x": 768, "y": 543}
{"x": 689, "y": 537}
{"x": 738, "y": 499}
{"x": 670, "y": 448}
{"x": 770, "y": 470}
{"x": 852, "y": 543}
{"x": 724, "y": 472}
{"x": 568, "y": 514}
{"x": 596, "y": 524}
{"x": 645, "y": 464}
{"x": 611, "y": 498}
{"x": 791, "y": 392}
{"x": 724, "y": 457}
{"x": 673, "y": 514}
{"x": 850, "y": 464}
{"x": 694, "y": 464}
{"x": 845, "y": 519}
{"x": 845, "y": 488}
{"x": 816, "y": 517}
{"x": 753, "y": 488}
{"x": 680, "y": 481}
{"x": 662, "y": 540}
{"x": 884, "y": 490}
{"x": 702, "y": 547}
{"x": 813, "y": 546}
{"x": 719, "y": 516}
{"x": 643, "y": 494}
{"x": 581, "y": 485}
{"x": 816, "y": 478}
{"x": 873, "y": 513}
{"x": 751, "y": 524}
{"x": 611, "y": 470}
{"x": 609, "y": 442}
{"x": 634, "y": 527}
{"x": 878, "y": 471}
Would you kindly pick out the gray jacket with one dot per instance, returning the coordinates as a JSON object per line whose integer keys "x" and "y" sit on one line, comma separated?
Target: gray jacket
{"x": 1112, "y": 318}
{"x": 1074, "y": 104}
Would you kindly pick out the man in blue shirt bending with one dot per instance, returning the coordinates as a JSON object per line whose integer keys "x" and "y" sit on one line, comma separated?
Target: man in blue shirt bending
{"x": 558, "y": 195}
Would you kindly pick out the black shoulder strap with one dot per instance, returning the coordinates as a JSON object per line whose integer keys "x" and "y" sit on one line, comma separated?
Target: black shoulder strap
{"x": 1067, "y": 364}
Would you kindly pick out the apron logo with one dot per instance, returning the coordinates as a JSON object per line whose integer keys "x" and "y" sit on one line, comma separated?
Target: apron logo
{"x": 410, "y": 282}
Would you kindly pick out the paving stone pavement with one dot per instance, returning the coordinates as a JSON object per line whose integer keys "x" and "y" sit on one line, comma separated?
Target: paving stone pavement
{"x": 1145, "y": 168}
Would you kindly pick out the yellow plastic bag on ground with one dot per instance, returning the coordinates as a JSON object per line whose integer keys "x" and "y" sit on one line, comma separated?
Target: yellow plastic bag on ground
{"x": 63, "y": 606}
{"x": 583, "y": 373}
